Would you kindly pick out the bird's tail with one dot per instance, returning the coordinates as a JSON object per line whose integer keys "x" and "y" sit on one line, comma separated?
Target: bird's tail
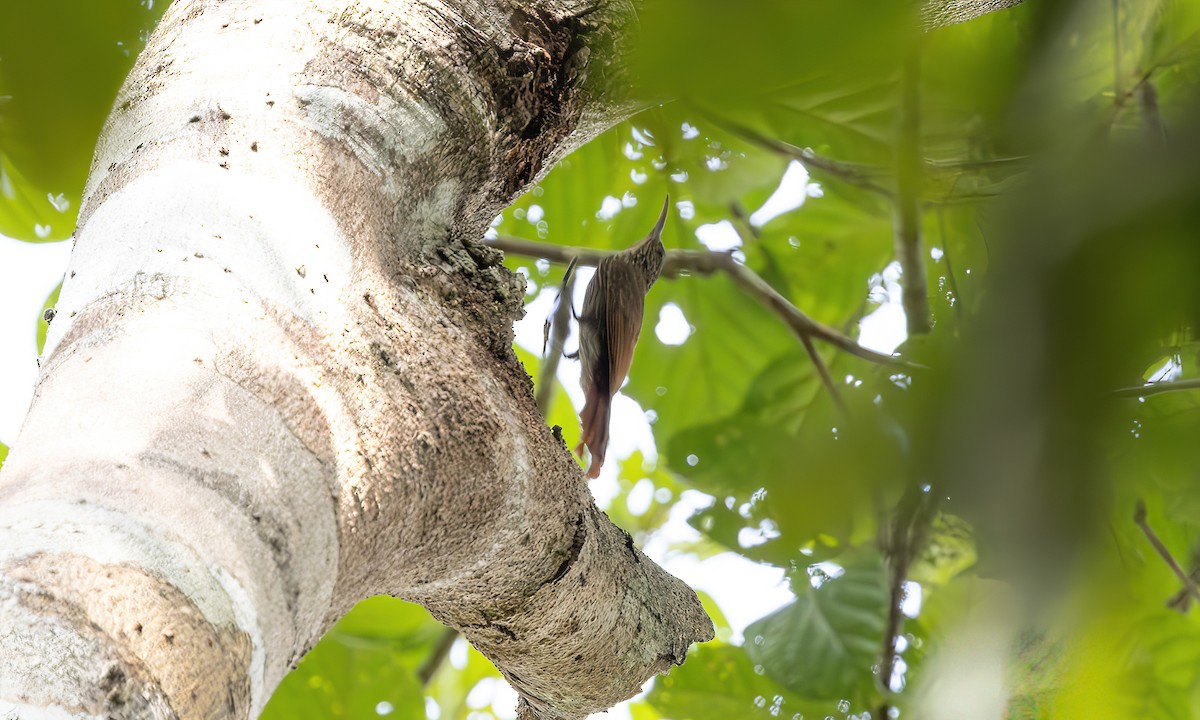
{"x": 594, "y": 418}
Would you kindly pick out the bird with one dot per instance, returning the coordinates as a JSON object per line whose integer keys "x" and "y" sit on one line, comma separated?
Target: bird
{"x": 609, "y": 326}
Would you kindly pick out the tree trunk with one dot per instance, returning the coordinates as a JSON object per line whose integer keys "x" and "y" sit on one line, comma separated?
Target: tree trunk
{"x": 281, "y": 380}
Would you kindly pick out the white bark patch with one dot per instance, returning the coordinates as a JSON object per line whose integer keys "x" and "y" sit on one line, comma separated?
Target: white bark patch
{"x": 113, "y": 538}
{"x": 384, "y": 136}
{"x": 191, "y": 224}
{"x": 21, "y": 711}
{"x": 247, "y": 619}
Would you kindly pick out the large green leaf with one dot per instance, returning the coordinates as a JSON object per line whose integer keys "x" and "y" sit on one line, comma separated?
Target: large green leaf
{"x": 364, "y": 668}
{"x": 62, "y": 64}
{"x": 718, "y": 681}
{"x": 737, "y": 53}
{"x": 823, "y": 644}
{"x": 822, "y": 255}
{"x": 706, "y": 377}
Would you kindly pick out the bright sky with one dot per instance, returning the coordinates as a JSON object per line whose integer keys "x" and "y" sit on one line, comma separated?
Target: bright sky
{"x": 744, "y": 590}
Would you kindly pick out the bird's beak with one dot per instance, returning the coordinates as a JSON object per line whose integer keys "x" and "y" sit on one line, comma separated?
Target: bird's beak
{"x": 656, "y": 231}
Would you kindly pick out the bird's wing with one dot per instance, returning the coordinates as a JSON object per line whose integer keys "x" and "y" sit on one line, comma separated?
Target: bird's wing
{"x": 593, "y": 351}
{"x": 625, "y": 300}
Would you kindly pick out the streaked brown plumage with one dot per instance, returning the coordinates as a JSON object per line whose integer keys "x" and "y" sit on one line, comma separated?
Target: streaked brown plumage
{"x": 608, "y": 331}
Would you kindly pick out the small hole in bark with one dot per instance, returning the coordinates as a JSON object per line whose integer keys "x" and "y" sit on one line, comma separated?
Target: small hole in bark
{"x": 194, "y": 119}
{"x": 254, "y": 146}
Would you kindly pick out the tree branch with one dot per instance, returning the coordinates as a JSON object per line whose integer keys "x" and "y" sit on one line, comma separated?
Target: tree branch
{"x": 853, "y": 173}
{"x": 908, "y": 202}
{"x": 742, "y": 226}
{"x": 1139, "y": 517}
{"x": 558, "y": 326}
{"x": 437, "y": 656}
{"x": 902, "y": 540}
{"x": 1158, "y": 388}
{"x": 705, "y": 262}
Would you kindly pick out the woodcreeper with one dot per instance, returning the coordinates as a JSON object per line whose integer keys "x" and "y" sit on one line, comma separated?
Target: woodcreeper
{"x": 608, "y": 331}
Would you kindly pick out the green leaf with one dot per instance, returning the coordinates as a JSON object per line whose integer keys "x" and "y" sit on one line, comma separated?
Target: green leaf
{"x": 821, "y": 255}
{"x": 706, "y": 377}
{"x": 451, "y": 685}
{"x": 719, "y": 682}
{"x": 823, "y": 644}
{"x": 720, "y": 622}
{"x": 735, "y": 53}
{"x": 62, "y": 65}
{"x": 365, "y": 664}
{"x": 741, "y": 453}
{"x": 42, "y": 324}
{"x": 636, "y": 471}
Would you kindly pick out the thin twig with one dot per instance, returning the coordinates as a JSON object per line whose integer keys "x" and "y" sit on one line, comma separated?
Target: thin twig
{"x": 822, "y": 370}
{"x": 958, "y": 299}
{"x": 1139, "y": 517}
{"x": 1182, "y": 600}
{"x": 805, "y": 338}
{"x": 1158, "y": 387}
{"x": 441, "y": 650}
{"x": 863, "y": 175}
{"x": 705, "y": 262}
{"x": 907, "y": 220}
{"x": 902, "y": 541}
{"x": 1152, "y": 121}
{"x": 559, "y": 322}
{"x": 852, "y": 173}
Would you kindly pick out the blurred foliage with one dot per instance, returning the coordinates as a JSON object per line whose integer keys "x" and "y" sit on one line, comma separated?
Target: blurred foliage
{"x": 1060, "y": 199}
